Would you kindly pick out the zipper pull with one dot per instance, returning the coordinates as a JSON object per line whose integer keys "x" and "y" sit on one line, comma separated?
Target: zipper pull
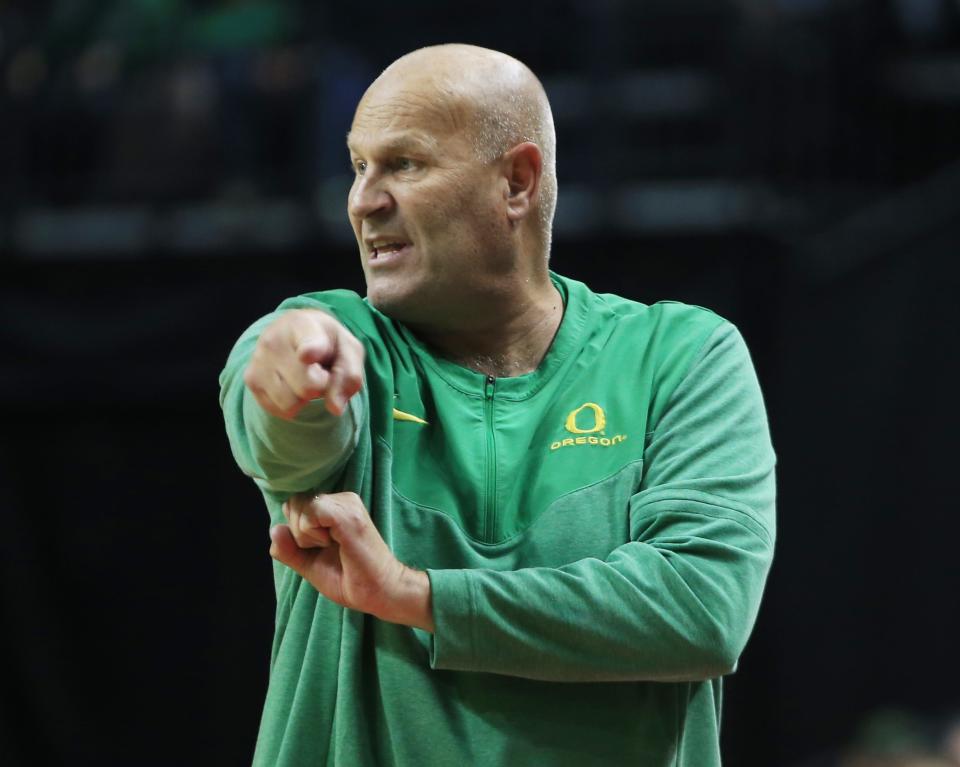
{"x": 488, "y": 386}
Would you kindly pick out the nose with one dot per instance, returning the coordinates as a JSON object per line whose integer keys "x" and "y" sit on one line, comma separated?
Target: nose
{"x": 368, "y": 196}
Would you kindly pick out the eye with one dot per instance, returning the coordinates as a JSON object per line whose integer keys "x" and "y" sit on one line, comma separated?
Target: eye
{"x": 358, "y": 166}
{"x": 404, "y": 163}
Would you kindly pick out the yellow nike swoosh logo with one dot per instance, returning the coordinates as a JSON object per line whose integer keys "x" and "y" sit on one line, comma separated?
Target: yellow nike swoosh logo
{"x": 399, "y": 415}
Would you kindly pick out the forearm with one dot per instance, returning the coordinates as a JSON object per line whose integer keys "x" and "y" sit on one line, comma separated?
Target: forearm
{"x": 297, "y": 455}
{"x": 679, "y": 609}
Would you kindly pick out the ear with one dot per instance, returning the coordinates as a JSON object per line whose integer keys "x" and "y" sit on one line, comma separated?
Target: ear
{"x": 522, "y": 168}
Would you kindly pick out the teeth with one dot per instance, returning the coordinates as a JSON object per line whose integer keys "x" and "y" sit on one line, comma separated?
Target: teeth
{"x": 382, "y": 246}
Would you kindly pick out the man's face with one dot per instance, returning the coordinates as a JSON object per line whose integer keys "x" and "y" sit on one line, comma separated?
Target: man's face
{"x": 427, "y": 214}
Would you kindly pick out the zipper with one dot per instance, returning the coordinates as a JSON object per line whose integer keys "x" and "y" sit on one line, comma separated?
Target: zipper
{"x": 490, "y": 496}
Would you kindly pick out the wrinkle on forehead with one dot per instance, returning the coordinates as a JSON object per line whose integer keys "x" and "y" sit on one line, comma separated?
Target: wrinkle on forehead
{"x": 424, "y": 104}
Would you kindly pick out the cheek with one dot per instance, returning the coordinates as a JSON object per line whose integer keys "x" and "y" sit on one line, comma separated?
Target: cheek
{"x": 475, "y": 206}
{"x": 460, "y": 214}
{"x": 440, "y": 213}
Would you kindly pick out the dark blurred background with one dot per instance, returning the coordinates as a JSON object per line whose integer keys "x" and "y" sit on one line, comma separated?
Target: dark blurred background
{"x": 171, "y": 170}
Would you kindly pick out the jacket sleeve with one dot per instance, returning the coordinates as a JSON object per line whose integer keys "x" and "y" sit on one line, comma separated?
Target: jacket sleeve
{"x": 679, "y": 600}
{"x": 284, "y": 457}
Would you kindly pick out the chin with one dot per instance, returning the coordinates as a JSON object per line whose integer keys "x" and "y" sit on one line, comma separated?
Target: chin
{"x": 396, "y": 304}
{"x": 413, "y": 308}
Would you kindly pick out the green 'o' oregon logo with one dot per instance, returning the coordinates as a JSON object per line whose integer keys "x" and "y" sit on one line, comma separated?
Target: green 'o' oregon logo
{"x": 599, "y": 419}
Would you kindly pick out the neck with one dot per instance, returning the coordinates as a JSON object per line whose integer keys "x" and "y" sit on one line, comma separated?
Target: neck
{"x": 514, "y": 342}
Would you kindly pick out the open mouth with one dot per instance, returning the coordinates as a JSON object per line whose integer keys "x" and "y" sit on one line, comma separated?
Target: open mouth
{"x": 388, "y": 249}
{"x": 382, "y": 251}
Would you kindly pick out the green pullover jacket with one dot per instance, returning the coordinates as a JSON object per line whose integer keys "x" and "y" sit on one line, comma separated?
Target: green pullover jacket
{"x": 597, "y": 534}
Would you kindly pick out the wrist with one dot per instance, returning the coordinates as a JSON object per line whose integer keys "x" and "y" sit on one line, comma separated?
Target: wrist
{"x": 411, "y": 606}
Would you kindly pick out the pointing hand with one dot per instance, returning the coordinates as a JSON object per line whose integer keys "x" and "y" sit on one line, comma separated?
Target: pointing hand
{"x": 304, "y": 355}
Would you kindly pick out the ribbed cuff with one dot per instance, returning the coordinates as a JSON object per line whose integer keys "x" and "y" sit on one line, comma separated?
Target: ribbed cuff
{"x": 452, "y": 643}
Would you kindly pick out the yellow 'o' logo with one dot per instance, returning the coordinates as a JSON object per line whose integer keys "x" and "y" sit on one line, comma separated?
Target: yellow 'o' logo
{"x": 599, "y": 419}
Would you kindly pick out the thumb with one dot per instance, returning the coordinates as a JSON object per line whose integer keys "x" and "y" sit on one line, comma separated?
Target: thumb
{"x": 285, "y": 550}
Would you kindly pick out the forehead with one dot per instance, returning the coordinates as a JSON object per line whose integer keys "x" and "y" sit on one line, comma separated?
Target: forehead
{"x": 390, "y": 141}
{"x": 404, "y": 114}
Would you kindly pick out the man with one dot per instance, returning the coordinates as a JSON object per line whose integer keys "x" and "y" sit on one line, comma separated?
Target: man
{"x": 514, "y": 522}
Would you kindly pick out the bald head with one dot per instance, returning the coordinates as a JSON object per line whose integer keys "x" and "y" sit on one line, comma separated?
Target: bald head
{"x": 491, "y": 95}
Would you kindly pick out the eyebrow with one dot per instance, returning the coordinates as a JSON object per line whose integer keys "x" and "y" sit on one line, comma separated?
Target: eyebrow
{"x": 399, "y": 143}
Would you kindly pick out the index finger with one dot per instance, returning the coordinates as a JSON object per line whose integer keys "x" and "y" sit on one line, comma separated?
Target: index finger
{"x": 346, "y": 374}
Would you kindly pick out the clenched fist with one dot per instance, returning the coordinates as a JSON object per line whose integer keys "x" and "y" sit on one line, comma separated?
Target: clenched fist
{"x": 303, "y": 355}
